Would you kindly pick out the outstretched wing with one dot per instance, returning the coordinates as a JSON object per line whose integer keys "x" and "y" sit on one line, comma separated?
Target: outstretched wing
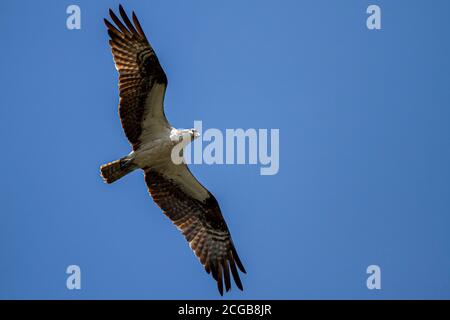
{"x": 196, "y": 213}
{"x": 142, "y": 81}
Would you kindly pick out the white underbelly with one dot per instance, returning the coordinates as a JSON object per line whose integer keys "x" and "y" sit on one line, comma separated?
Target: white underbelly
{"x": 153, "y": 154}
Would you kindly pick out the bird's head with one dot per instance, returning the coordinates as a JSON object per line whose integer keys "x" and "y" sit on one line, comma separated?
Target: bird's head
{"x": 194, "y": 134}
{"x": 184, "y": 136}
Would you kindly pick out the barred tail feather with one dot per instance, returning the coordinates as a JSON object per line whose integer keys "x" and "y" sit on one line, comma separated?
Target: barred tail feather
{"x": 115, "y": 170}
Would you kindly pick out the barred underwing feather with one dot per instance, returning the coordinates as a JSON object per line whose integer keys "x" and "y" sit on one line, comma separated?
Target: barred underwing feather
{"x": 139, "y": 70}
{"x": 201, "y": 223}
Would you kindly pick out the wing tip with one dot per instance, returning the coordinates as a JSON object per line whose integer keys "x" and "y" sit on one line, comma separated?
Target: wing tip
{"x": 121, "y": 9}
{"x": 237, "y": 259}
{"x": 221, "y": 273}
{"x": 128, "y": 29}
{"x": 139, "y": 29}
{"x": 220, "y": 287}
{"x": 235, "y": 273}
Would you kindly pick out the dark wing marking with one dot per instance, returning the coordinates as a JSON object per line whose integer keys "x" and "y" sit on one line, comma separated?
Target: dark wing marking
{"x": 202, "y": 224}
{"x": 142, "y": 81}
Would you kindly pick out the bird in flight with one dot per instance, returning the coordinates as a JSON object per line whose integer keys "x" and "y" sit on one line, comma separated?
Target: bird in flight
{"x": 190, "y": 206}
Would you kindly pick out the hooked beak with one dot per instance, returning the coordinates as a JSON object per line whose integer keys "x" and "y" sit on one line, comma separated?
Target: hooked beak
{"x": 196, "y": 134}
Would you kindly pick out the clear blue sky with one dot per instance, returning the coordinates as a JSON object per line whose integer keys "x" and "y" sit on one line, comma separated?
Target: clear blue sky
{"x": 364, "y": 153}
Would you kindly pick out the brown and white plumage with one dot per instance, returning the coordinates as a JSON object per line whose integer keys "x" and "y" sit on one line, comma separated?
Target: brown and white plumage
{"x": 141, "y": 77}
{"x": 190, "y": 206}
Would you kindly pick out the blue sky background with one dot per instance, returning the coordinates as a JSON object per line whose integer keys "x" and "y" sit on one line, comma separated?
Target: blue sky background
{"x": 364, "y": 149}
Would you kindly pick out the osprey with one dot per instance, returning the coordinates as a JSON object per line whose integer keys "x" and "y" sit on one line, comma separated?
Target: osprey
{"x": 190, "y": 206}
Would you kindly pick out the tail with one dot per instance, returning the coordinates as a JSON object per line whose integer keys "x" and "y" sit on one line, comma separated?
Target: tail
{"x": 115, "y": 170}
